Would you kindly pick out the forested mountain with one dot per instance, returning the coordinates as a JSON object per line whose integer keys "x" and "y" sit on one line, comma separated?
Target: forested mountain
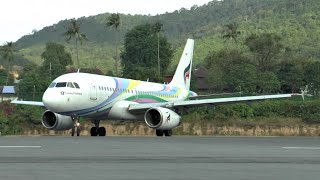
{"x": 297, "y": 22}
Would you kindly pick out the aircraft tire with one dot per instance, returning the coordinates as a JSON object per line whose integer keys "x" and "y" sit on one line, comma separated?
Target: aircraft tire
{"x": 168, "y": 132}
{"x": 93, "y": 131}
{"x": 101, "y": 131}
{"x": 78, "y": 131}
{"x": 72, "y": 131}
{"x": 159, "y": 132}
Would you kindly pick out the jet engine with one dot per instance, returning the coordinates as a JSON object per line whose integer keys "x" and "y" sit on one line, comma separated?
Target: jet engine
{"x": 161, "y": 118}
{"x": 53, "y": 121}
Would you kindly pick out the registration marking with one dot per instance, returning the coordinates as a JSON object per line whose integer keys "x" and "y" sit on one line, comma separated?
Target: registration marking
{"x": 304, "y": 148}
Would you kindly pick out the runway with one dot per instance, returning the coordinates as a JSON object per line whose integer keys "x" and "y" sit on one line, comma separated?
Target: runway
{"x": 56, "y": 157}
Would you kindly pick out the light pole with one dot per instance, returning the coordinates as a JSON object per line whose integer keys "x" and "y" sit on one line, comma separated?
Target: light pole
{"x": 240, "y": 90}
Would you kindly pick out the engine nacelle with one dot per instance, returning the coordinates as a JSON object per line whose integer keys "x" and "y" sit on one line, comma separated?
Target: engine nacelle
{"x": 51, "y": 120}
{"x": 161, "y": 118}
{"x": 119, "y": 111}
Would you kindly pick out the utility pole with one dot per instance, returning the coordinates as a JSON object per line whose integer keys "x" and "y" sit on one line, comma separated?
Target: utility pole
{"x": 50, "y": 72}
{"x": 34, "y": 91}
{"x": 1, "y": 92}
{"x": 158, "y": 27}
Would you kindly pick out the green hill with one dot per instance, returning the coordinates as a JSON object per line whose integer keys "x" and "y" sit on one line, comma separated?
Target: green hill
{"x": 296, "y": 21}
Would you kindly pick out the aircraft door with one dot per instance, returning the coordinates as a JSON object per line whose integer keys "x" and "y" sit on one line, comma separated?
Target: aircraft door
{"x": 93, "y": 91}
{"x": 135, "y": 91}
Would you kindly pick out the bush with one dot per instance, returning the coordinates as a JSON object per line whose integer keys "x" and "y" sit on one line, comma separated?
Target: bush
{"x": 311, "y": 118}
{"x": 266, "y": 108}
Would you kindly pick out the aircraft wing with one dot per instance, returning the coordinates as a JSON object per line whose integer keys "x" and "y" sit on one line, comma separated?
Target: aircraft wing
{"x": 34, "y": 103}
{"x": 211, "y": 95}
{"x": 216, "y": 101}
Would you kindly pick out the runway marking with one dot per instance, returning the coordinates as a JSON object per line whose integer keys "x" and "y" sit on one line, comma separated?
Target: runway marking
{"x": 305, "y": 148}
{"x": 20, "y": 146}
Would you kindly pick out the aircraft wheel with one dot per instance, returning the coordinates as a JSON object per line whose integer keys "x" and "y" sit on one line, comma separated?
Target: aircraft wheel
{"x": 101, "y": 131}
{"x": 93, "y": 131}
{"x": 78, "y": 131}
{"x": 168, "y": 132}
{"x": 159, "y": 132}
{"x": 72, "y": 131}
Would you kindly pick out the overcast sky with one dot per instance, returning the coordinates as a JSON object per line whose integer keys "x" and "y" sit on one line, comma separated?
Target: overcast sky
{"x": 20, "y": 17}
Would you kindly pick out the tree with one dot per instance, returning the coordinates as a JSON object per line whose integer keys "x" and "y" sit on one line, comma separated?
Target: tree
{"x": 230, "y": 69}
{"x": 114, "y": 21}
{"x": 231, "y": 32}
{"x": 32, "y": 86}
{"x": 312, "y": 77}
{"x": 55, "y": 60}
{"x": 3, "y": 76}
{"x": 267, "y": 82}
{"x": 265, "y": 48}
{"x": 291, "y": 76}
{"x": 242, "y": 76}
{"x": 8, "y": 53}
{"x": 139, "y": 56}
{"x": 73, "y": 31}
{"x": 158, "y": 27}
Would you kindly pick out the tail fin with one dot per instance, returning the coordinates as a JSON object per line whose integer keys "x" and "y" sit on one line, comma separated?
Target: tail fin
{"x": 182, "y": 76}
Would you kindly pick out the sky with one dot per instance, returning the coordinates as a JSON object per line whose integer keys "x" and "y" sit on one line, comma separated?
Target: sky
{"x": 21, "y": 17}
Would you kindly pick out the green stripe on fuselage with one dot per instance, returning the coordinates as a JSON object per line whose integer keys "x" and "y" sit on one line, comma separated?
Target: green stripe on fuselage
{"x": 156, "y": 98}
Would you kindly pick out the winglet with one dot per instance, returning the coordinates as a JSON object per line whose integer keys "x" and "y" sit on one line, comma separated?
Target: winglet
{"x": 304, "y": 92}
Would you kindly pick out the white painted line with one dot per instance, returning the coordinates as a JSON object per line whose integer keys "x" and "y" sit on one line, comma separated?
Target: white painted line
{"x": 20, "y": 146}
{"x": 306, "y": 148}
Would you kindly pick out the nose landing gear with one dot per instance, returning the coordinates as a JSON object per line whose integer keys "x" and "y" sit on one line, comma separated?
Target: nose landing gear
{"x": 76, "y": 128}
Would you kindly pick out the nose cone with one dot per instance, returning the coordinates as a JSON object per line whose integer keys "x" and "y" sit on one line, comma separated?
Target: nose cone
{"x": 50, "y": 100}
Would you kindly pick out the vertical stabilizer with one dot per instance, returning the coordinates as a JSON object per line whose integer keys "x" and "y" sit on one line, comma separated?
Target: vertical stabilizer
{"x": 182, "y": 76}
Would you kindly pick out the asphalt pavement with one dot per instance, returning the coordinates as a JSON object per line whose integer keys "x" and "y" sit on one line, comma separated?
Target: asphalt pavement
{"x": 180, "y": 157}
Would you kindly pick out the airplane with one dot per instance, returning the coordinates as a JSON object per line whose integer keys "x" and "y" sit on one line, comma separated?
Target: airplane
{"x": 97, "y": 97}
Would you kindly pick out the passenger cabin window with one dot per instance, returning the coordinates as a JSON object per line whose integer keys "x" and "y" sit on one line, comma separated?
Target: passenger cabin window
{"x": 61, "y": 84}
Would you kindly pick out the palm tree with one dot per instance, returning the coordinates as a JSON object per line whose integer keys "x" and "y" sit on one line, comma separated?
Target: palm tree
{"x": 114, "y": 21}
{"x": 73, "y": 31}
{"x": 232, "y": 31}
{"x": 158, "y": 27}
{"x": 8, "y": 53}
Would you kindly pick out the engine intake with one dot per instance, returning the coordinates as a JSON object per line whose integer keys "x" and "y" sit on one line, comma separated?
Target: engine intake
{"x": 51, "y": 120}
{"x": 161, "y": 118}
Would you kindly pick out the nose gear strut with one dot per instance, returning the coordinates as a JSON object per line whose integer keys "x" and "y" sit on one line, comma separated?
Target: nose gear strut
{"x": 76, "y": 126}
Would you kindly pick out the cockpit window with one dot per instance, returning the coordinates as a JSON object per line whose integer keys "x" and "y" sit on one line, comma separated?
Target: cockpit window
{"x": 76, "y": 85}
{"x": 61, "y": 84}
{"x": 52, "y": 85}
{"x": 70, "y": 85}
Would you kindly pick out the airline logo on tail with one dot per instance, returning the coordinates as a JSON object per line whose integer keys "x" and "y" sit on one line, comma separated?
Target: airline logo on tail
{"x": 187, "y": 73}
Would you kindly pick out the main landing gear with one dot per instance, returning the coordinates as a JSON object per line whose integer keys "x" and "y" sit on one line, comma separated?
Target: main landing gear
{"x": 164, "y": 132}
{"x": 96, "y": 130}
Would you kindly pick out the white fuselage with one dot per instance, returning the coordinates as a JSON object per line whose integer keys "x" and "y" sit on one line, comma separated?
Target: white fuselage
{"x": 93, "y": 96}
